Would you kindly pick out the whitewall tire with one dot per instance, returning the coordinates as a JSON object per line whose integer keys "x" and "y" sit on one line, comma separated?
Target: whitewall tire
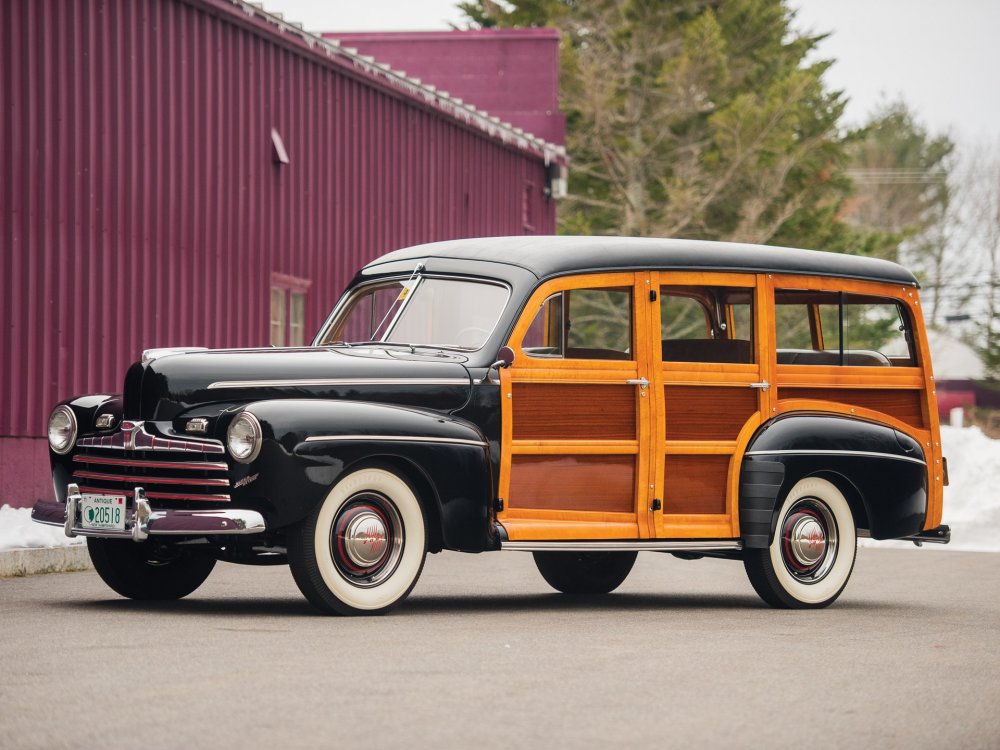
{"x": 812, "y": 554}
{"x": 363, "y": 548}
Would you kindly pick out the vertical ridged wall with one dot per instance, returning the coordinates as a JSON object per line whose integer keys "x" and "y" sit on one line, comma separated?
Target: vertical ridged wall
{"x": 141, "y": 206}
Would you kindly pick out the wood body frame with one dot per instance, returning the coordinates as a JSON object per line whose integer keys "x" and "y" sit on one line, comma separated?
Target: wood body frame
{"x": 651, "y": 444}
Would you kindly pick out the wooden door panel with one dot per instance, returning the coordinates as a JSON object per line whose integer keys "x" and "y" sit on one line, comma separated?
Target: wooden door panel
{"x": 573, "y": 411}
{"x": 707, "y": 413}
{"x": 904, "y": 405}
{"x": 573, "y": 482}
{"x": 695, "y": 484}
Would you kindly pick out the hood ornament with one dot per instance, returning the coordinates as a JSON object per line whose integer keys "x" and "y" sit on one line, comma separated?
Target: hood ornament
{"x": 149, "y": 355}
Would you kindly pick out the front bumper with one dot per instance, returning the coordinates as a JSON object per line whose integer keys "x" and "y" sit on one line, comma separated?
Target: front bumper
{"x": 142, "y": 521}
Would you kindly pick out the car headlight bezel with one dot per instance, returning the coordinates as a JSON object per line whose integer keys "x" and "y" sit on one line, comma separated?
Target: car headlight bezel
{"x": 69, "y": 430}
{"x": 244, "y": 437}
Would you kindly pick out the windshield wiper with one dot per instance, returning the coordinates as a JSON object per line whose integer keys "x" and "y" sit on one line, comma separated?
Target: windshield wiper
{"x": 411, "y": 347}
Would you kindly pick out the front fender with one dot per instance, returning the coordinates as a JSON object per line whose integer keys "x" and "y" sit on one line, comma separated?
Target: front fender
{"x": 881, "y": 471}
{"x": 309, "y": 445}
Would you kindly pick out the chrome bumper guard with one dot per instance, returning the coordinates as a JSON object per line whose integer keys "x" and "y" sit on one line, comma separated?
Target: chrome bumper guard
{"x": 940, "y": 535}
{"x": 144, "y": 521}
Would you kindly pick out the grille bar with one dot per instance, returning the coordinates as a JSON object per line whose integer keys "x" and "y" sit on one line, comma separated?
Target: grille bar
{"x": 147, "y": 464}
{"x": 158, "y": 495}
{"x": 151, "y": 480}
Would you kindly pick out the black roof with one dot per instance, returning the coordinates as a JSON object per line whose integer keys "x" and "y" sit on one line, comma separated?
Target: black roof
{"x": 555, "y": 256}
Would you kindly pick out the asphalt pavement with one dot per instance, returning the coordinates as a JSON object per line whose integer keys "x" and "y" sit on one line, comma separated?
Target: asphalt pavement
{"x": 484, "y": 655}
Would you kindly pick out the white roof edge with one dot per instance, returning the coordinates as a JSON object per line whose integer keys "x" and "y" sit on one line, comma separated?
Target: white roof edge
{"x": 450, "y": 105}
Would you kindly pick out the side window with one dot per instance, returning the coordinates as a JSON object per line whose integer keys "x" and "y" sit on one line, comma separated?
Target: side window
{"x": 683, "y": 317}
{"x": 707, "y": 324}
{"x": 831, "y": 328}
{"x": 582, "y": 324}
{"x": 369, "y": 311}
{"x": 544, "y": 338}
{"x": 879, "y": 325}
{"x": 806, "y": 320}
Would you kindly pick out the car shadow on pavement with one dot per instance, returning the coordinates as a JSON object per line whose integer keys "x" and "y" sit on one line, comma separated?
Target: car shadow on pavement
{"x": 424, "y": 605}
{"x": 607, "y": 603}
{"x": 194, "y": 605}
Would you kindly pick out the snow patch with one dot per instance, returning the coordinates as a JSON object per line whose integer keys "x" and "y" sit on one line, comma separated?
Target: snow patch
{"x": 18, "y": 531}
{"x": 972, "y": 499}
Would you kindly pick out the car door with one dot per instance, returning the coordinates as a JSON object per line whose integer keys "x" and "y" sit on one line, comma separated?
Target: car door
{"x": 710, "y": 389}
{"x": 576, "y": 414}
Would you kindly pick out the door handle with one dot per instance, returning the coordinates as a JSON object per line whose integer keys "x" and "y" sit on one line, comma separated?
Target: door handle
{"x": 763, "y": 385}
{"x": 641, "y": 382}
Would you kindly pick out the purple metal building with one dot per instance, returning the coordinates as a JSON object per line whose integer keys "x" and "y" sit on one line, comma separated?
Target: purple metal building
{"x": 197, "y": 172}
{"x": 511, "y": 73}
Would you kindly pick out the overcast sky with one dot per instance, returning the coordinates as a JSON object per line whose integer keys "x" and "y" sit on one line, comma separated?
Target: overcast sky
{"x": 941, "y": 57}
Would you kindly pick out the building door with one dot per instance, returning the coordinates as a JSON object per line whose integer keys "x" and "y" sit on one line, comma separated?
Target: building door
{"x": 576, "y": 412}
{"x": 709, "y": 390}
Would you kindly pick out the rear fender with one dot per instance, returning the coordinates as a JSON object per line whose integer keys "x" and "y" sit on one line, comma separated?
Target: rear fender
{"x": 881, "y": 472}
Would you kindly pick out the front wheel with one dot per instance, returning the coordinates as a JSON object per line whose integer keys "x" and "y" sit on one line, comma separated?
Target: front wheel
{"x": 812, "y": 555}
{"x": 362, "y": 549}
{"x": 148, "y": 571}
{"x": 584, "y": 572}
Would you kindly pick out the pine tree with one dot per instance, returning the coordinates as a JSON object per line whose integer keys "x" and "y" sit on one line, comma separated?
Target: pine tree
{"x": 690, "y": 118}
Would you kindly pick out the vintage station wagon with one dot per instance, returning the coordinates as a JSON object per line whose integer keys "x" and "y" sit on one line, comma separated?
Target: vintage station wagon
{"x": 583, "y": 399}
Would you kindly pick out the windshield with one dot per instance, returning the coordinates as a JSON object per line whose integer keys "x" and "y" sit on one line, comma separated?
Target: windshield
{"x": 446, "y": 313}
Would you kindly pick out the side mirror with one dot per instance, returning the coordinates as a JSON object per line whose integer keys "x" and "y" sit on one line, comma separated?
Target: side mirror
{"x": 505, "y": 358}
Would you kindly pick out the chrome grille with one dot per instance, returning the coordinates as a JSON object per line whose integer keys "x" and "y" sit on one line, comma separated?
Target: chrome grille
{"x": 165, "y": 475}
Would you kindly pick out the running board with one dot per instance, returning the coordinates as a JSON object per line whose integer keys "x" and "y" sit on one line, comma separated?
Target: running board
{"x": 653, "y": 545}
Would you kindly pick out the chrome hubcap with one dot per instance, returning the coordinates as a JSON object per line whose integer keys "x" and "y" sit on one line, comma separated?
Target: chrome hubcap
{"x": 366, "y": 541}
{"x": 809, "y": 540}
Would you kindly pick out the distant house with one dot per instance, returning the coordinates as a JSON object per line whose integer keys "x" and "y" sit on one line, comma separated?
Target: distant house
{"x": 957, "y": 367}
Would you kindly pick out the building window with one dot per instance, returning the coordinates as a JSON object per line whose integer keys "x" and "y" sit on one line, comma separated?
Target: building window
{"x": 278, "y": 303}
{"x": 288, "y": 310}
{"x": 528, "y": 207}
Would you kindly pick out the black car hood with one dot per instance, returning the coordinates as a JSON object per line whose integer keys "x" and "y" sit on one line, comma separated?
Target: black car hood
{"x": 175, "y": 383}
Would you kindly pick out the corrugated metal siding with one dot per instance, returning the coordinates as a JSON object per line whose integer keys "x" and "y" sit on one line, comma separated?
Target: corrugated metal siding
{"x": 141, "y": 206}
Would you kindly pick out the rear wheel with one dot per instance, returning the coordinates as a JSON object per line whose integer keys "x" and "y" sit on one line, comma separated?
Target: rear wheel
{"x": 812, "y": 555}
{"x": 362, "y": 549}
{"x": 148, "y": 571}
{"x": 584, "y": 572}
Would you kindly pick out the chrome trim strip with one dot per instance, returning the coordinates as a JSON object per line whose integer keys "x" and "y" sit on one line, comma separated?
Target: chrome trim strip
{"x": 187, "y": 465}
{"x": 101, "y": 476}
{"x": 701, "y": 545}
{"x": 821, "y": 452}
{"x": 336, "y": 381}
{"x": 396, "y": 439}
{"x": 158, "y": 495}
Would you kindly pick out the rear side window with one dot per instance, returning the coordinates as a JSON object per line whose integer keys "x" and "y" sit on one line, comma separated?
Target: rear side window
{"x": 835, "y": 328}
{"x": 706, "y": 324}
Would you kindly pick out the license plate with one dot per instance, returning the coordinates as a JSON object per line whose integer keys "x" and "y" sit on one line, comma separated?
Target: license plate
{"x": 102, "y": 512}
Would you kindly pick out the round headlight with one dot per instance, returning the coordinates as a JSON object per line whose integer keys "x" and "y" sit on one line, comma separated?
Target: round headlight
{"x": 62, "y": 429}
{"x": 243, "y": 437}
